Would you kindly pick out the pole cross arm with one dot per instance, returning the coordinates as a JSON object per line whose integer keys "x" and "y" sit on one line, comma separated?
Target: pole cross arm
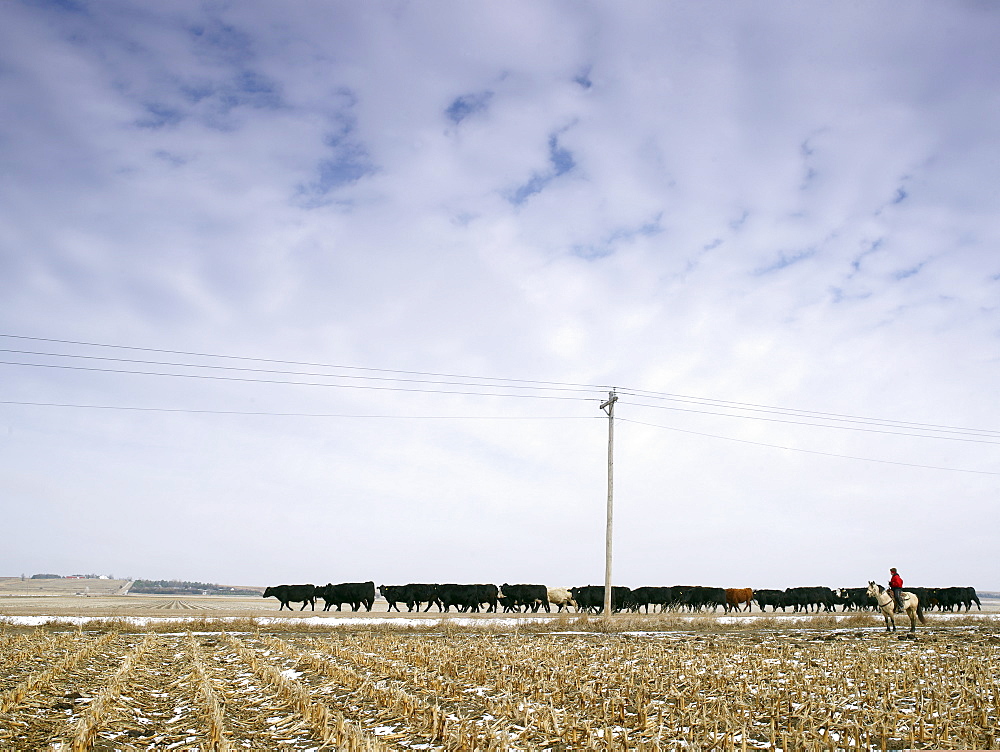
{"x": 612, "y": 399}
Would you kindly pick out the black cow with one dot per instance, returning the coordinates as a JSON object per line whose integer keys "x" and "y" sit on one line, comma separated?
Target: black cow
{"x": 591, "y": 598}
{"x": 924, "y": 596}
{"x": 394, "y": 594}
{"x": 774, "y": 598}
{"x": 677, "y": 593}
{"x": 970, "y": 593}
{"x": 355, "y": 593}
{"x": 806, "y": 598}
{"x": 934, "y": 598}
{"x": 529, "y": 596}
{"x": 953, "y": 598}
{"x": 651, "y": 596}
{"x": 418, "y": 593}
{"x": 695, "y": 598}
{"x": 857, "y": 598}
{"x": 462, "y": 597}
{"x": 489, "y": 595}
{"x": 286, "y": 594}
{"x": 412, "y": 595}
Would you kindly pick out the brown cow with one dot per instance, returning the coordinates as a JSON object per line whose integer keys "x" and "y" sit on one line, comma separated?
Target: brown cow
{"x": 736, "y": 596}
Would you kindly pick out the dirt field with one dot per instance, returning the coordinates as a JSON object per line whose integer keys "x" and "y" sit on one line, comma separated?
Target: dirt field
{"x": 231, "y": 673}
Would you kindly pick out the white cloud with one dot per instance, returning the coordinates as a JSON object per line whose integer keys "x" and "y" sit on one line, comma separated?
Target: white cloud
{"x": 760, "y": 204}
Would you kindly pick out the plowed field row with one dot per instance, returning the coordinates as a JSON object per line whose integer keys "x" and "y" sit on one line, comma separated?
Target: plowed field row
{"x": 374, "y": 690}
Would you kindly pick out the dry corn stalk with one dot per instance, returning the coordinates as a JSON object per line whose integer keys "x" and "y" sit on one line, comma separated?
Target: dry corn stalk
{"x": 413, "y": 709}
{"x": 38, "y": 681}
{"x": 317, "y": 716}
{"x": 212, "y": 710}
{"x": 595, "y": 691}
{"x": 89, "y": 723}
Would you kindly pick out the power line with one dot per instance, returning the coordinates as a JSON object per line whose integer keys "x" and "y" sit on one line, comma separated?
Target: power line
{"x": 809, "y": 451}
{"x": 245, "y": 369}
{"x": 822, "y": 425}
{"x": 303, "y": 383}
{"x": 293, "y": 362}
{"x": 195, "y": 411}
{"x": 440, "y": 383}
{"x": 752, "y": 407}
{"x": 356, "y": 373}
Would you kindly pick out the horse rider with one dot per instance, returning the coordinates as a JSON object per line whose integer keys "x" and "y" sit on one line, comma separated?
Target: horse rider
{"x": 896, "y": 586}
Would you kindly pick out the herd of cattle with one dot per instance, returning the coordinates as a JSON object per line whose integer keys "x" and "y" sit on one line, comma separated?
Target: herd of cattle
{"x": 516, "y": 598}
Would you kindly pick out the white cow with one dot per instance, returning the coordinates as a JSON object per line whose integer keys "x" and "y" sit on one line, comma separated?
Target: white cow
{"x": 561, "y": 597}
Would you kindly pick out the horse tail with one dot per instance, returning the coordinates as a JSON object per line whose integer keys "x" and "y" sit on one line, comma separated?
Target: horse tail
{"x": 920, "y": 612}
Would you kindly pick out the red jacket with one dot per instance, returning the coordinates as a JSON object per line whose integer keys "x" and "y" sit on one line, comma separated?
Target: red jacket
{"x": 896, "y": 581}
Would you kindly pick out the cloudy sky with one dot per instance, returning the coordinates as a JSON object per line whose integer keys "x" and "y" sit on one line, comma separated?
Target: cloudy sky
{"x": 334, "y": 291}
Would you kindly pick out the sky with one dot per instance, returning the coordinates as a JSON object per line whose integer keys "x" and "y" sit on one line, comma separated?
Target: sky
{"x": 332, "y": 291}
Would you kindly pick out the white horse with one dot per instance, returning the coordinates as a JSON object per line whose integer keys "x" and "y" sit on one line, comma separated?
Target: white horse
{"x": 910, "y": 602}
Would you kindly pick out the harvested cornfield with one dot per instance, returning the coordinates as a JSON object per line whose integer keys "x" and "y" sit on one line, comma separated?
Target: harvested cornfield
{"x": 375, "y": 689}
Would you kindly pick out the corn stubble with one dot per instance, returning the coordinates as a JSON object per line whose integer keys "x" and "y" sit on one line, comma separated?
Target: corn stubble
{"x": 466, "y": 690}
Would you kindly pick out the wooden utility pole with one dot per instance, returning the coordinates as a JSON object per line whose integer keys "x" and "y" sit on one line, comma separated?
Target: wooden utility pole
{"x": 609, "y": 408}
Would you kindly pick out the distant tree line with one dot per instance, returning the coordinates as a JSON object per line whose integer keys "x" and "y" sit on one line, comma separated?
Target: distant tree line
{"x": 70, "y": 577}
{"x": 182, "y": 587}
